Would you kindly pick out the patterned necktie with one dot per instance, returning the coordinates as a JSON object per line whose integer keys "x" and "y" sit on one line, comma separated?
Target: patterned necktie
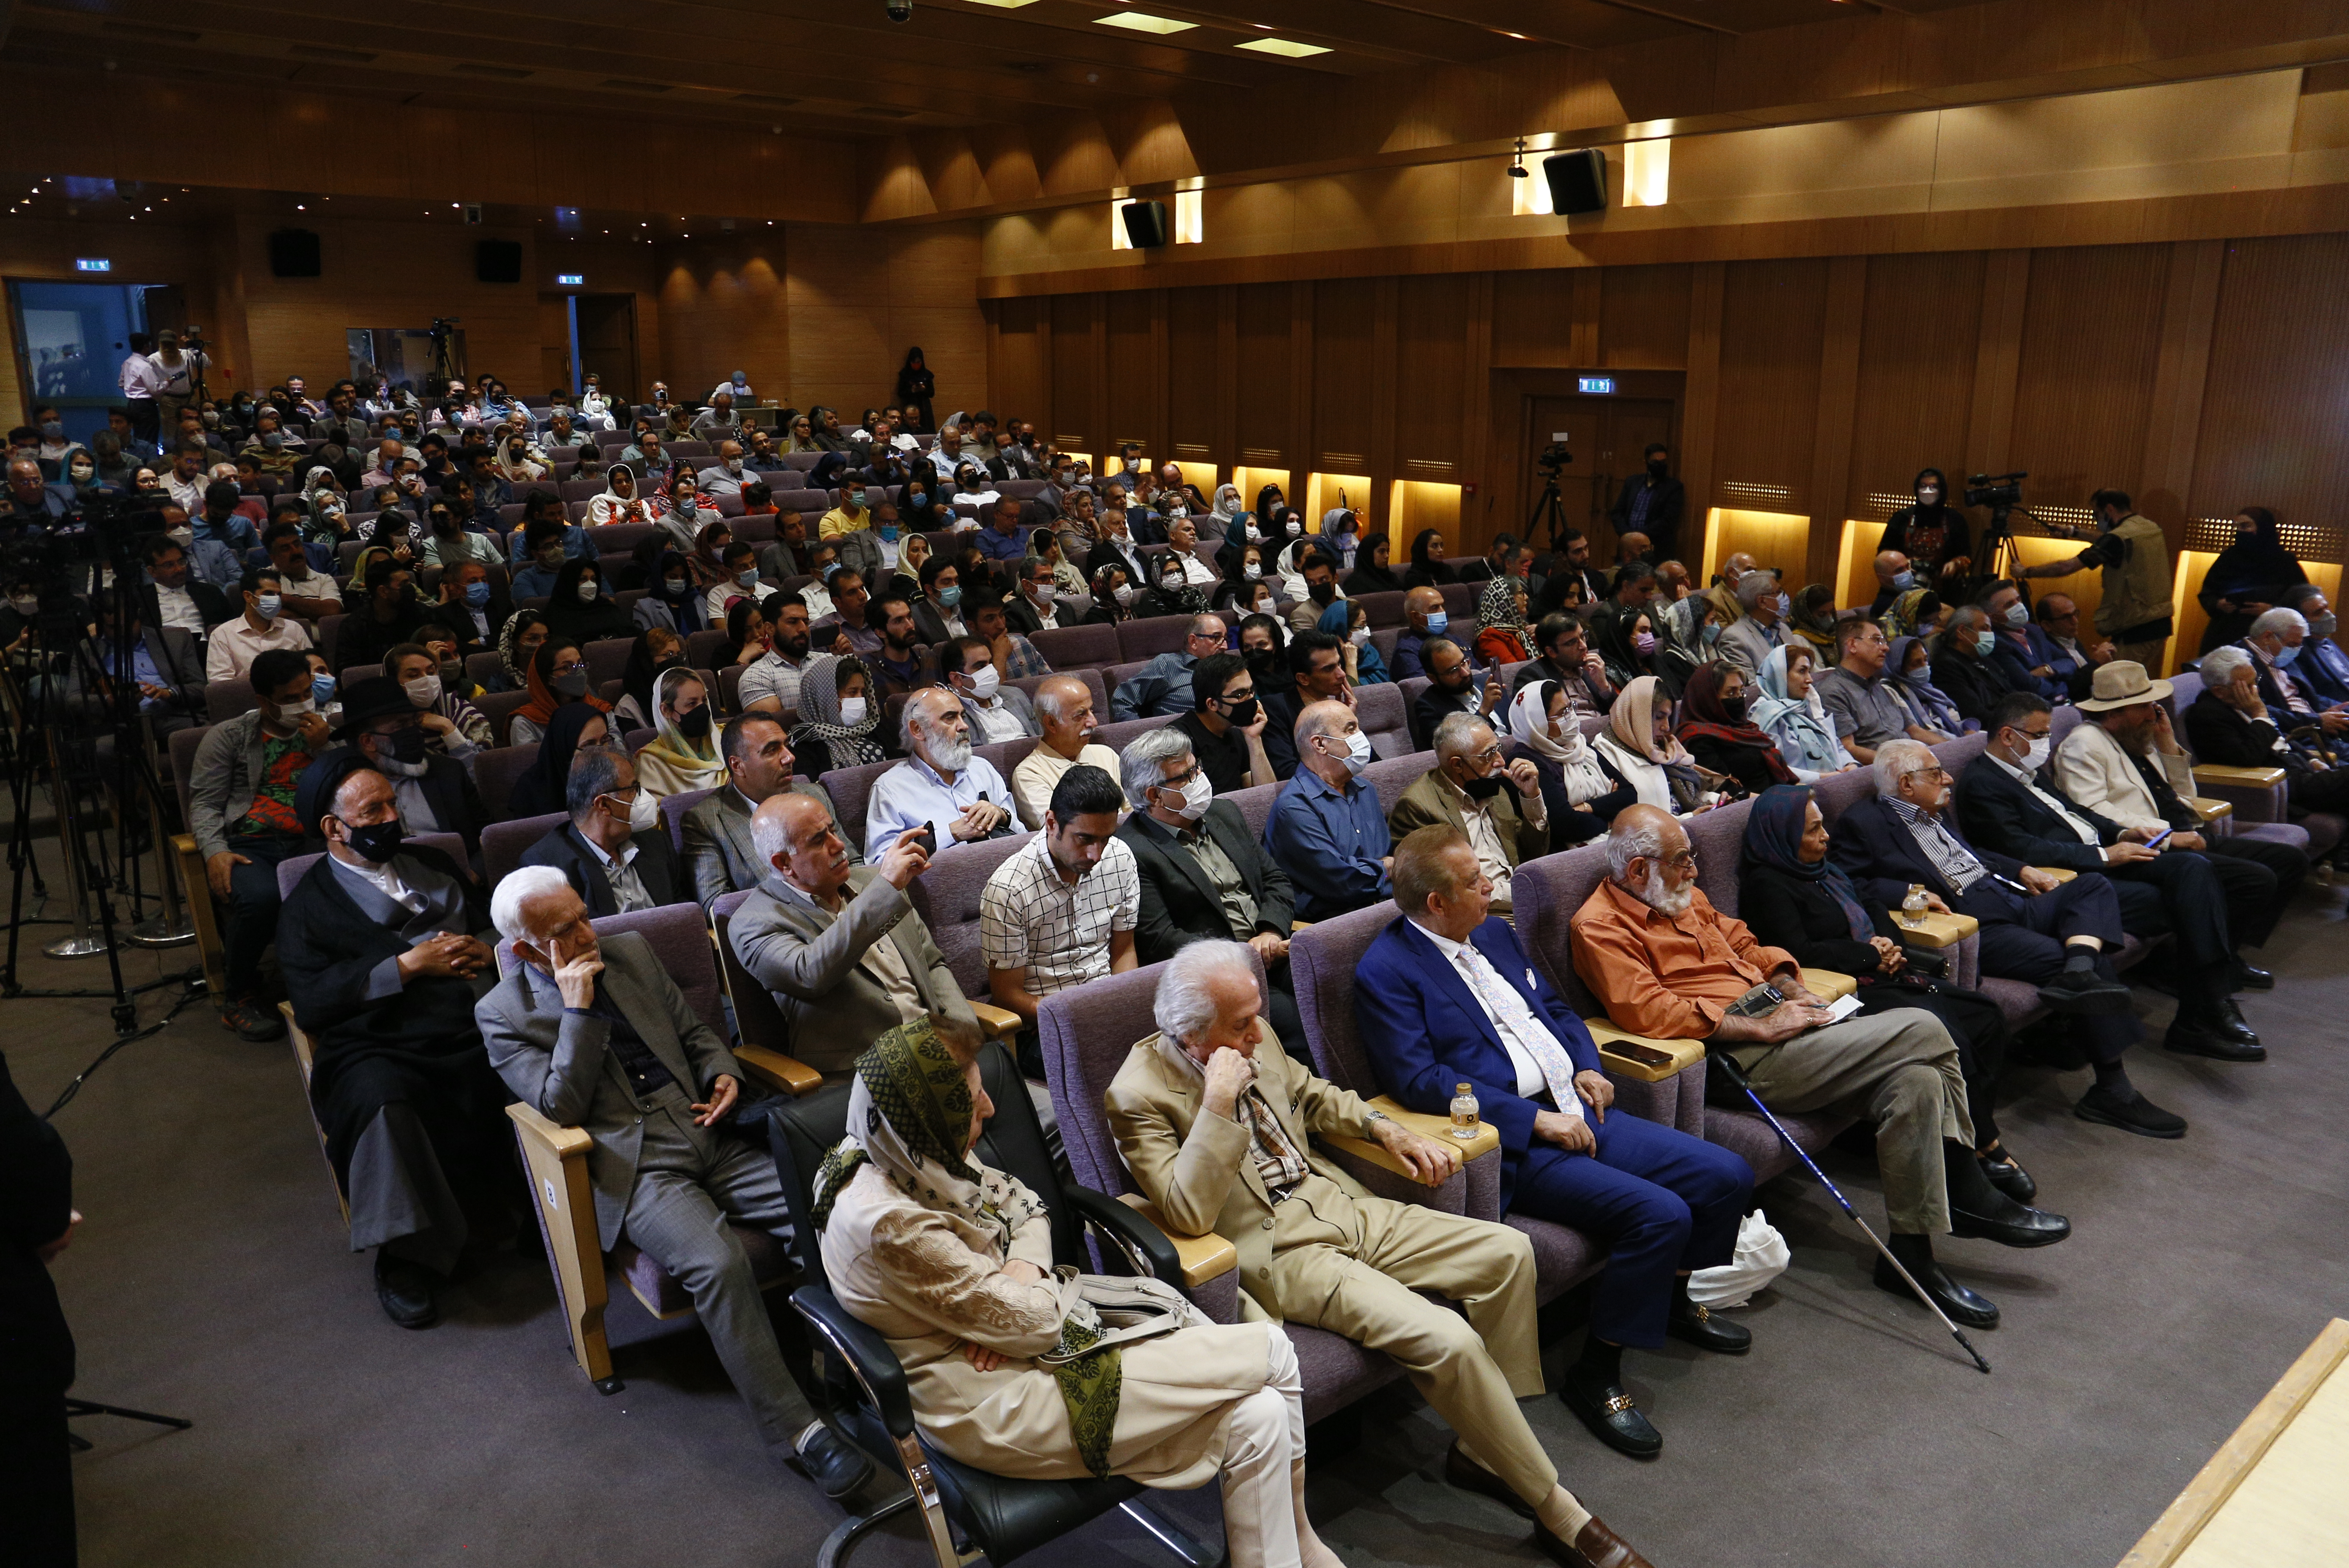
{"x": 1556, "y": 1067}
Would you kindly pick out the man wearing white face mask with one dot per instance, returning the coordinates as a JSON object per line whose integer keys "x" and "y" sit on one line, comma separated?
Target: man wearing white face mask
{"x": 725, "y": 476}
{"x": 1064, "y": 706}
{"x": 263, "y": 626}
{"x": 613, "y": 851}
{"x": 1326, "y": 829}
{"x": 996, "y": 712}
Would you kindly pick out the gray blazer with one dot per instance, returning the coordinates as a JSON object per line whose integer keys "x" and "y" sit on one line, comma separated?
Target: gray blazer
{"x": 718, "y": 852}
{"x": 559, "y": 1064}
{"x": 1013, "y": 698}
{"x": 808, "y": 959}
{"x": 220, "y": 780}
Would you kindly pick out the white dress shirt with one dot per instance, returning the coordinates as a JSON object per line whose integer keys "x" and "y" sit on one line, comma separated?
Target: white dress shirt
{"x": 178, "y": 608}
{"x": 628, "y": 888}
{"x": 1512, "y": 1018}
{"x": 2031, "y": 781}
{"x": 997, "y": 719}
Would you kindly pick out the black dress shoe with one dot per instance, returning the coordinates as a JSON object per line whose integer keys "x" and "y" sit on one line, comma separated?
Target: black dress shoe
{"x": 2135, "y": 1114}
{"x": 2251, "y": 978}
{"x": 2009, "y": 1177}
{"x": 1701, "y": 1327}
{"x": 2011, "y": 1224}
{"x": 2227, "y": 1019}
{"x": 2085, "y": 991}
{"x": 1611, "y": 1416}
{"x": 1594, "y": 1546}
{"x": 1469, "y": 1476}
{"x": 405, "y": 1289}
{"x": 1966, "y": 1308}
{"x": 2208, "y": 1037}
{"x": 834, "y": 1463}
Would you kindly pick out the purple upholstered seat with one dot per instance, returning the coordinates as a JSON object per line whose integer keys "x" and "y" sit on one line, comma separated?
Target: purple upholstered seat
{"x": 1384, "y": 718}
{"x": 1145, "y": 639}
{"x": 495, "y": 770}
{"x": 1116, "y": 735}
{"x": 1072, "y": 647}
{"x": 947, "y": 898}
{"x": 504, "y": 843}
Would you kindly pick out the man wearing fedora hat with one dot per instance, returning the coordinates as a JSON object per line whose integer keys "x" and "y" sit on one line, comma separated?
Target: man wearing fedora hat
{"x": 434, "y": 793}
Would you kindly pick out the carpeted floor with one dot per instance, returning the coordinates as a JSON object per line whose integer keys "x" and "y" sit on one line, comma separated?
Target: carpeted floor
{"x": 211, "y": 1280}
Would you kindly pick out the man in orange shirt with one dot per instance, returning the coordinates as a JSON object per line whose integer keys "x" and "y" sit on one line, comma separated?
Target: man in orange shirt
{"x": 1667, "y": 964}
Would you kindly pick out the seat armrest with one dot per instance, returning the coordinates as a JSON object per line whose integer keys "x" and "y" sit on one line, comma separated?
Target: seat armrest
{"x": 787, "y": 1074}
{"x": 1827, "y": 982}
{"x": 1933, "y": 930}
{"x": 563, "y": 1142}
{"x": 997, "y": 1022}
{"x": 2208, "y": 809}
{"x": 1474, "y": 1190}
{"x": 2239, "y": 777}
{"x": 2060, "y": 873}
{"x": 870, "y": 1360}
{"x": 1439, "y": 1128}
{"x": 1199, "y": 1258}
{"x": 1626, "y": 1055}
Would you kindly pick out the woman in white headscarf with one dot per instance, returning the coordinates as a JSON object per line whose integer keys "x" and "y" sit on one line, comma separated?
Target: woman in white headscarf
{"x": 620, "y": 502}
{"x": 1227, "y": 509}
{"x": 1640, "y": 748}
{"x": 1791, "y": 713}
{"x": 683, "y": 753}
{"x": 1579, "y": 791}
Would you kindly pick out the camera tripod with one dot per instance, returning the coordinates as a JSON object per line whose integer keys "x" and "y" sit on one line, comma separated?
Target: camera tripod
{"x": 82, "y": 1445}
{"x": 1550, "y": 511}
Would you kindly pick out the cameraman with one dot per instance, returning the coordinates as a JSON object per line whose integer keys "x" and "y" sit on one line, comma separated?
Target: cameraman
{"x": 2136, "y": 610}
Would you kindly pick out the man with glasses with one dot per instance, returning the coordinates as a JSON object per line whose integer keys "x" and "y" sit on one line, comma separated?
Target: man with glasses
{"x": 1493, "y": 803}
{"x": 1867, "y": 712}
{"x": 614, "y": 850}
{"x": 1227, "y": 730}
{"x": 1452, "y": 688}
{"x": 2054, "y": 934}
{"x": 1563, "y": 654}
{"x": 1163, "y": 684}
{"x": 1668, "y": 965}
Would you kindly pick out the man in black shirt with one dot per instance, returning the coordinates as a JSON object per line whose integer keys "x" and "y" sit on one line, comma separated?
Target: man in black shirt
{"x": 1226, "y": 728}
{"x": 1317, "y": 673}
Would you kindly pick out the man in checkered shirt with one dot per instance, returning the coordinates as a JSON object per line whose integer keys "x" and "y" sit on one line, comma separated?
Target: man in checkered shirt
{"x": 1062, "y": 909}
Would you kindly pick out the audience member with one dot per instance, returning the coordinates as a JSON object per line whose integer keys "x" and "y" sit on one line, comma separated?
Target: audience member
{"x": 1719, "y": 730}
{"x": 1014, "y": 657}
{"x": 1326, "y": 829}
{"x": 719, "y": 856}
{"x": 771, "y": 683}
{"x": 1894, "y": 577}
{"x": 2325, "y": 664}
{"x": 557, "y": 679}
{"x": 1563, "y": 654}
{"x": 1424, "y": 617}
{"x": 175, "y": 596}
{"x": 614, "y": 850}
{"x": 434, "y": 793}
{"x": 1628, "y": 645}
{"x": 842, "y": 723}
{"x": 1452, "y": 688}
{"x": 1495, "y": 805}
{"x": 1062, "y": 909}
{"x": 2134, "y": 609}
{"x": 1064, "y": 709}
{"x": 1789, "y": 711}
{"x": 1749, "y": 641}
{"x": 2274, "y": 643}
{"x": 264, "y": 625}
{"x": 540, "y": 790}
{"x": 2230, "y": 726}
{"x": 941, "y": 784}
{"x": 1638, "y": 746}
{"x": 682, "y": 756}
{"x": 1226, "y": 727}
{"x": 1501, "y": 616}
{"x": 996, "y": 712}
{"x": 1865, "y": 709}
{"x": 1163, "y": 686}
{"x": 1962, "y": 667}
{"x": 1686, "y": 640}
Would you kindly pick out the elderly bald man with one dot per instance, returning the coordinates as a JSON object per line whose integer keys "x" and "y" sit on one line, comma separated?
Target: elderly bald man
{"x": 941, "y": 784}
{"x": 1893, "y": 578}
{"x": 1726, "y": 610}
{"x": 1064, "y": 706}
{"x": 1423, "y": 617}
{"x": 1326, "y": 830}
{"x": 1667, "y": 964}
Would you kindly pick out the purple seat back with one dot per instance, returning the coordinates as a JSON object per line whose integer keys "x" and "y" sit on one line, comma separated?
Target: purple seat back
{"x": 223, "y": 700}
{"x": 607, "y": 658}
{"x": 761, "y": 1022}
{"x": 1460, "y": 601}
{"x": 673, "y": 811}
{"x": 1840, "y": 792}
{"x": 291, "y": 870}
{"x": 1140, "y": 641}
{"x": 495, "y": 770}
{"x": 2061, "y": 723}
{"x": 1004, "y": 756}
{"x": 946, "y": 897}
{"x": 1390, "y": 777}
{"x": 1116, "y": 735}
{"x": 579, "y": 489}
{"x": 1322, "y": 962}
{"x": 499, "y": 707}
{"x": 1384, "y": 608}
{"x": 504, "y": 843}
{"x": 706, "y": 649}
{"x": 618, "y": 541}
{"x": 1546, "y": 892}
{"x": 1384, "y": 718}
{"x": 1717, "y": 837}
{"x": 679, "y": 935}
{"x": 1256, "y": 805}
{"x": 1072, "y": 647}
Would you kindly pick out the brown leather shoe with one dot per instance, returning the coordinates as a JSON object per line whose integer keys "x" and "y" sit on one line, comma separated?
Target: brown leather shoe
{"x": 1469, "y": 1476}
{"x": 1595, "y": 1547}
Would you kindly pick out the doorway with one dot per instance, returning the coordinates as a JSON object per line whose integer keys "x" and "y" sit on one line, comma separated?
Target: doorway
{"x": 603, "y": 340}
{"x": 71, "y": 341}
{"x": 1607, "y": 438}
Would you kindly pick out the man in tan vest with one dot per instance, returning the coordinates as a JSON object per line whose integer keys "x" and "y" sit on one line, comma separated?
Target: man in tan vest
{"x": 1219, "y": 1135}
{"x": 2137, "y": 607}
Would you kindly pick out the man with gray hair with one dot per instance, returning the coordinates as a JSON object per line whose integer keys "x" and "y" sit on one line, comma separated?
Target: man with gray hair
{"x": 1064, "y": 707}
{"x": 2274, "y": 642}
{"x": 2231, "y": 727}
{"x": 1493, "y": 802}
{"x": 940, "y": 785}
{"x": 1221, "y": 1136}
{"x": 1163, "y": 684}
{"x": 2323, "y": 664}
{"x": 1748, "y": 642}
{"x": 614, "y": 850}
{"x": 1667, "y": 964}
{"x": 593, "y": 1034}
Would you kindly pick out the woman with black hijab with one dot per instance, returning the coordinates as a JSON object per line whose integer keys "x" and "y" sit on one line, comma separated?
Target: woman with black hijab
{"x": 1931, "y": 533}
{"x": 1372, "y": 573}
{"x": 577, "y": 606}
{"x": 1427, "y": 569}
{"x": 540, "y": 788}
{"x": 917, "y": 387}
{"x": 2247, "y": 579}
{"x": 656, "y": 652}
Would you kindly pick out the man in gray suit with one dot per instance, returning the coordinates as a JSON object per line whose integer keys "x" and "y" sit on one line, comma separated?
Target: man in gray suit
{"x": 838, "y": 945}
{"x": 596, "y": 1035}
{"x": 719, "y": 855}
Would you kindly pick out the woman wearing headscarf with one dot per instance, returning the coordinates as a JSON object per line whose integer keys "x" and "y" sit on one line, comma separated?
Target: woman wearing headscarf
{"x": 619, "y": 502}
{"x": 1347, "y": 621}
{"x": 1340, "y": 534}
{"x": 1501, "y": 622}
{"x": 1169, "y": 592}
{"x": 1962, "y": 667}
{"x": 1427, "y": 568}
{"x": 1372, "y": 573}
{"x": 1689, "y": 641}
{"x": 577, "y": 606}
{"x": 1627, "y": 646}
{"x": 2247, "y": 579}
{"x": 519, "y": 641}
{"x": 540, "y": 788}
{"x": 1288, "y": 569}
{"x": 706, "y": 553}
{"x": 1267, "y": 498}
{"x": 671, "y": 601}
{"x": 922, "y": 506}
{"x": 1790, "y": 712}
{"x": 1579, "y": 791}
{"x": 558, "y": 679}
{"x": 1913, "y": 614}
{"x": 79, "y": 471}
{"x": 1793, "y": 896}
{"x": 683, "y": 754}
{"x": 654, "y": 652}
{"x": 915, "y": 387}
{"x": 950, "y": 1261}
{"x": 1639, "y": 746}
{"x": 840, "y": 718}
{"x": 1906, "y": 674}
{"x": 1112, "y": 593}
{"x": 1932, "y": 534}
{"x": 1722, "y": 736}
{"x": 1229, "y": 514}
{"x": 1814, "y": 619}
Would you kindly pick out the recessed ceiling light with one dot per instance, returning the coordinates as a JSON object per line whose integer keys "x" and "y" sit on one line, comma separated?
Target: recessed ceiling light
{"x": 1142, "y": 22}
{"x": 1283, "y": 47}
{"x": 1004, "y": 5}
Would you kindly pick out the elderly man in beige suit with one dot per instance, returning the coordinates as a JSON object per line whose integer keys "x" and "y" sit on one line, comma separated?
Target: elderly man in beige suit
{"x": 838, "y": 945}
{"x": 1218, "y": 1136}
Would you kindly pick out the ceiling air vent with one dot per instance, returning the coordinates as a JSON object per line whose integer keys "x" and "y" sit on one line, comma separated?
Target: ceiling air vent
{"x": 621, "y": 85}
{"x": 504, "y": 73}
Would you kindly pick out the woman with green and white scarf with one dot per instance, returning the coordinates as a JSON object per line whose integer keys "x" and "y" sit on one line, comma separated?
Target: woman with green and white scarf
{"x": 951, "y": 1262}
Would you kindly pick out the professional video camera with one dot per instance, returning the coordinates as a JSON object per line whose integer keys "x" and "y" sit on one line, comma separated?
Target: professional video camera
{"x": 1553, "y": 458}
{"x": 1997, "y": 492}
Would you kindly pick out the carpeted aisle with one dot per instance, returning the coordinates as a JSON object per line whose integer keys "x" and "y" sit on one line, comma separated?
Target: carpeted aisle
{"x": 212, "y": 1279}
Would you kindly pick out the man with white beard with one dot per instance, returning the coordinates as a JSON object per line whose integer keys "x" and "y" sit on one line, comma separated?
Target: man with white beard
{"x": 1668, "y": 965}
{"x": 940, "y": 785}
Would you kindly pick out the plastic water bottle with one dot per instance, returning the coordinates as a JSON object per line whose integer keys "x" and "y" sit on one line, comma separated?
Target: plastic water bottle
{"x": 1465, "y": 1113}
{"x": 1912, "y": 908}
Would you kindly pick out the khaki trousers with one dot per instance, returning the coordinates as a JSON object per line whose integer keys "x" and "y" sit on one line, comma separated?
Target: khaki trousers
{"x": 1898, "y": 1069}
{"x": 2146, "y": 654}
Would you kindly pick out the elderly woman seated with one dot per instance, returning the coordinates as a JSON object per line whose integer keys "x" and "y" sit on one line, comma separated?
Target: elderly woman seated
{"x": 951, "y": 1262}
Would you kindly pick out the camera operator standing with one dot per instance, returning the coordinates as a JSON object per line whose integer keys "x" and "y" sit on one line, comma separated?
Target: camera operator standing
{"x": 1650, "y": 503}
{"x": 2135, "y": 611}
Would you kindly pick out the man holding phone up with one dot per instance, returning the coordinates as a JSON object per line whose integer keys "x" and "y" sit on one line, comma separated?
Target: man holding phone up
{"x": 1454, "y": 685}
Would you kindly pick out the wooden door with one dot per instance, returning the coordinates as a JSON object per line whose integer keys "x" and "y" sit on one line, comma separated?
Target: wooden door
{"x": 1607, "y": 438}
{"x": 607, "y": 343}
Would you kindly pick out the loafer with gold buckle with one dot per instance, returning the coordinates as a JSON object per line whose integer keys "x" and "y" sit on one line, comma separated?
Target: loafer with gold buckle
{"x": 1611, "y": 1416}
{"x": 1698, "y": 1326}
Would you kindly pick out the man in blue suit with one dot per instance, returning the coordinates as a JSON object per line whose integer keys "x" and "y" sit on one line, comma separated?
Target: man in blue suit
{"x": 1446, "y": 995}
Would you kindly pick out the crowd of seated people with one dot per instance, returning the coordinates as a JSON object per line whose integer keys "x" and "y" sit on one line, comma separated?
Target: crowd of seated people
{"x": 839, "y": 702}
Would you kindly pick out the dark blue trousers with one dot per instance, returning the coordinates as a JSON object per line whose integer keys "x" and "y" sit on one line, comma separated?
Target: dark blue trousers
{"x": 1657, "y": 1199}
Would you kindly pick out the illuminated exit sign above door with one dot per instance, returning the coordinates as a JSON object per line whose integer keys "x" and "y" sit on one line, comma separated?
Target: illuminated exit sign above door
{"x": 1596, "y": 386}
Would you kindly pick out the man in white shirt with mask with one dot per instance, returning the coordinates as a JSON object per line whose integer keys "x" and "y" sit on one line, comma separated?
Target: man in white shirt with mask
{"x": 263, "y": 626}
{"x": 997, "y": 712}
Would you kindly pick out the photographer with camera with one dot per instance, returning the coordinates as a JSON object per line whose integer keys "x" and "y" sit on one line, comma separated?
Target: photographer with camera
{"x": 2136, "y": 610}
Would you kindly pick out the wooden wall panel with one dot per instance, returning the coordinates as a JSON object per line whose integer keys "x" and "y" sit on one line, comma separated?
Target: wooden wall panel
{"x": 2083, "y": 384}
{"x": 1077, "y": 388}
{"x": 1921, "y": 322}
{"x": 1194, "y": 327}
{"x": 1263, "y": 395}
{"x": 1137, "y": 376}
{"x": 1773, "y": 315}
{"x": 2275, "y": 411}
{"x": 728, "y": 308}
{"x": 1431, "y": 377}
{"x": 1643, "y": 317}
{"x": 1019, "y": 375}
{"x": 1344, "y": 317}
{"x": 1533, "y": 319}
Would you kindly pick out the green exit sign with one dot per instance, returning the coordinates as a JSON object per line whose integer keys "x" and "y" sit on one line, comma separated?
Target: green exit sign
{"x": 1596, "y": 386}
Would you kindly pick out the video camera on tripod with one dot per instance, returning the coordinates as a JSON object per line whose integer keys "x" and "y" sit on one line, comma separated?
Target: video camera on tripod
{"x": 1553, "y": 460}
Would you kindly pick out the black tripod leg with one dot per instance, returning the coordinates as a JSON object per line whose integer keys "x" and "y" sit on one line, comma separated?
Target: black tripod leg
{"x": 92, "y": 1408}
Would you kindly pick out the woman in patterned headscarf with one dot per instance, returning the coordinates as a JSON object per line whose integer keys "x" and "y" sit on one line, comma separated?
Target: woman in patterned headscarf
{"x": 950, "y": 1261}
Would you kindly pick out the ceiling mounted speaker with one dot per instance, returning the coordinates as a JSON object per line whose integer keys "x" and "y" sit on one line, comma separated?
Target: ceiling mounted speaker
{"x": 497, "y": 261}
{"x": 294, "y": 254}
{"x": 1146, "y": 224}
{"x": 1578, "y": 180}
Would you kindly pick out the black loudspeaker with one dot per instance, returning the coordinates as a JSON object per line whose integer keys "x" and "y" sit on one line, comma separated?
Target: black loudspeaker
{"x": 497, "y": 261}
{"x": 1578, "y": 180}
{"x": 1146, "y": 224}
{"x": 294, "y": 254}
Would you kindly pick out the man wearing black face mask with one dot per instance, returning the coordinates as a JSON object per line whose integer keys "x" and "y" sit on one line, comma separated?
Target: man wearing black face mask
{"x": 381, "y": 943}
{"x": 433, "y": 792}
{"x": 1473, "y": 789}
{"x": 1650, "y": 503}
{"x": 386, "y": 614}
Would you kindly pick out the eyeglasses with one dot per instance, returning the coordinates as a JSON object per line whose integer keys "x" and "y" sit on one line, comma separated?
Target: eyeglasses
{"x": 1685, "y": 861}
{"x": 573, "y": 668}
{"x": 1176, "y": 780}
